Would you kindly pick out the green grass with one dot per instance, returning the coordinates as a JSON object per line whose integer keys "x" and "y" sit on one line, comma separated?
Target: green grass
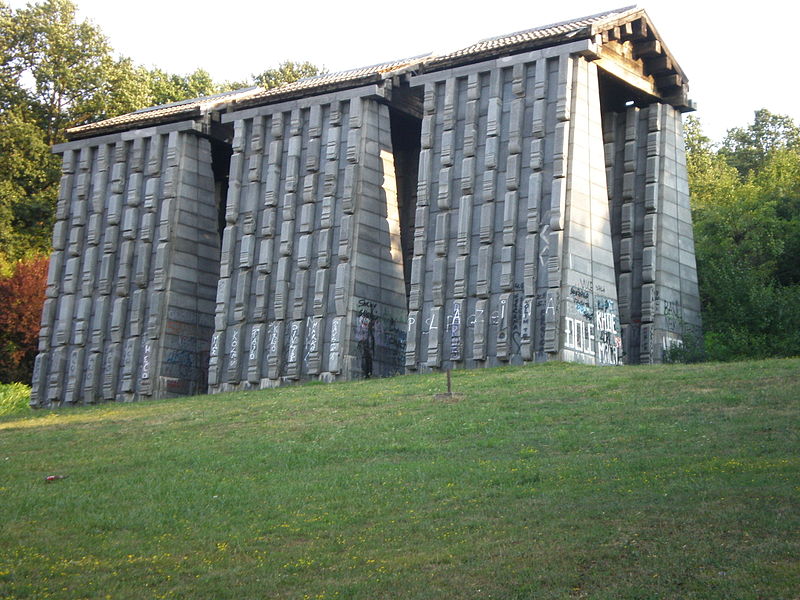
{"x": 553, "y": 481}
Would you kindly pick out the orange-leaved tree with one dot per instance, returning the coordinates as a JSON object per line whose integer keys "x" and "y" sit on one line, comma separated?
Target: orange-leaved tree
{"x": 21, "y": 300}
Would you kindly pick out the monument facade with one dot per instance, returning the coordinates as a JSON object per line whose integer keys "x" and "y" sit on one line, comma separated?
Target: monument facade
{"x": 523, "y": 199}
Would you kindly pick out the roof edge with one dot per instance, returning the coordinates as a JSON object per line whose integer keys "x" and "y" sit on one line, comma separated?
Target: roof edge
{"x": 601, "y": 27}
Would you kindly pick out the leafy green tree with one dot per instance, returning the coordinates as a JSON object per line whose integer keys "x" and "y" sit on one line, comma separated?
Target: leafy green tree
{"x": 129, "y": 89}
{"x": 11, "y": 93}
{"x": 747, "y": 238}
{"x": 712, "y": 179}
{"x": 166, "y": 88}
{"x": 68, "y": 64}
{"x": 747, "y": 148}
{"x": 779, "y": 182}
{"x": 286, "y": 72}
{"x": 29, "y": 174}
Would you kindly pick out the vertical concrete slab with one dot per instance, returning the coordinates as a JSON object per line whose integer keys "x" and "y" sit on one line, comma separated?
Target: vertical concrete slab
{"x": 590, "y": 317}
{"x": 314, "y": 288}
{"x": 524, "y": 236}
{"x": 128, "y": 311}
{"x": 654, "y": 257}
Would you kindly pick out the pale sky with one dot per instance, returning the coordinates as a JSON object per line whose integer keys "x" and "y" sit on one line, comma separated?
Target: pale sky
{"x": 738, "y": 56}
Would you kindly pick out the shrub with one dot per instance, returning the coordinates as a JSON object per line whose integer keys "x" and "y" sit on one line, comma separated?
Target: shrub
{"x": 14, "y": 399}
{"x": 21, "y": 300}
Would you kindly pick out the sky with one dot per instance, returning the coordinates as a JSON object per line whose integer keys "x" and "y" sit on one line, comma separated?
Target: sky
{"x": 738, "y": 56}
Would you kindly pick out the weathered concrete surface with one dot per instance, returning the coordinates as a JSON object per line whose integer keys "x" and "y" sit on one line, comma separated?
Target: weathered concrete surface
{"x": 513, "y": 254}
{"x": 133, "y": 274}
{"x": 652, "y": 231}
{"x": 312, "y": 277}
{"x": 524, "y": 199}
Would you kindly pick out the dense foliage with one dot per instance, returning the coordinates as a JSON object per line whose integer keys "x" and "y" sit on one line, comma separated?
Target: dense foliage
{"x": 746, "y": 211}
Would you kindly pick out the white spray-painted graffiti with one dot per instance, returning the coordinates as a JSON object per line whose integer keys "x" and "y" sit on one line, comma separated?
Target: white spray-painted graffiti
{"x": 525, "y": 326}
{"x": 455, "y": 332}
{"x": 234, "y": 351}
{"x": 254, "y": 343}
{"x": 609, "y": 341}
{"x": 335, "y": 349}
{"x": 294, "y": 338}
{"x": 311, "y": 353}
{"x": 594, "y": 330}
{"x": 146, "y": 357}
{"x": 578, "y": 335}
{"x": 273, "y": 339}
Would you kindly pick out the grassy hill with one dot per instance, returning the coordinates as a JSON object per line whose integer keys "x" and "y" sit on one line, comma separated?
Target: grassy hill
{"x": 552, "y": 481}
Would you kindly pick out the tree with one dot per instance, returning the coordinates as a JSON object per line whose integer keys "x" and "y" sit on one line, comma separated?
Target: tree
{"x": 11, "y": 92}
{"x": 747, "y": 148}
{"x": 29, "y": 174}
{"x": 54, "y": 74}
{"x": 22, "y": 297}
{"x": 67, "y": 62}
{"x": 747, "y": 236}
{"x": 166, "y": 88}
{"x": 779, "y": 182}
{"x": 286, "y": 72}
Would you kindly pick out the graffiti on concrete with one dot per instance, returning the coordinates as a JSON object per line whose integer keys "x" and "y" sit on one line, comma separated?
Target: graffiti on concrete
{"x": 593, "y": 330}
{"x": 607, "y": 329}
{"x": 185, "y": 356}
{"x": 380, "y": 343}
{"x": 365, "y": 334}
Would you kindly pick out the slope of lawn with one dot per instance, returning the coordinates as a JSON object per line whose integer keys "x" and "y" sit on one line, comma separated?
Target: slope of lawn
{"x": 552, "y": 481}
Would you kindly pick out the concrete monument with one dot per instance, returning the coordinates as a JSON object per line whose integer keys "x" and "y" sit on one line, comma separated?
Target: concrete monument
{"x": 522, "y": 199}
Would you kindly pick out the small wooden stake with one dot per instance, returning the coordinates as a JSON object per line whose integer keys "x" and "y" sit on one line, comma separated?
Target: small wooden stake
{"x": 449, "y": 396}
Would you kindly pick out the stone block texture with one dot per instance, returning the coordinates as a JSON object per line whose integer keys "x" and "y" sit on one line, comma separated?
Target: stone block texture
{"x": 659, "y": 303}
{"x": 311, "y": 282}
{"x": 513, "y": 257}
{"x": 522, "y": 200}
{"x": 132, "y": 280}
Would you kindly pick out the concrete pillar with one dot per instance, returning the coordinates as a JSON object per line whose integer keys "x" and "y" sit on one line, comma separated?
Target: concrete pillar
{"x": 312, "y": 276}
{"x": 133, "y": 272}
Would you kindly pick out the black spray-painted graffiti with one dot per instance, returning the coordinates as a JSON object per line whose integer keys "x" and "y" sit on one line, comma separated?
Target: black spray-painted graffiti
{"x": 380, "y": 343}
{"x": 580, "y": 296}
{"x": 673, "y": 315}
{"x": 365, "y": 334}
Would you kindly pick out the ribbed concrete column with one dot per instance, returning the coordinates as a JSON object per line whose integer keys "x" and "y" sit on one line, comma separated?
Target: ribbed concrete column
{"x": 654, "y": 251}
{"x": 513, "y": 255}
{"x": 312, "y": 276}
{"x": 133, "y": 271}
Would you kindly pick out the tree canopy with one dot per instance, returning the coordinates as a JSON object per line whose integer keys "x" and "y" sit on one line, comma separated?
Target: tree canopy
{"x": 746, "y": 212}
{"x": 286, "y": 72}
